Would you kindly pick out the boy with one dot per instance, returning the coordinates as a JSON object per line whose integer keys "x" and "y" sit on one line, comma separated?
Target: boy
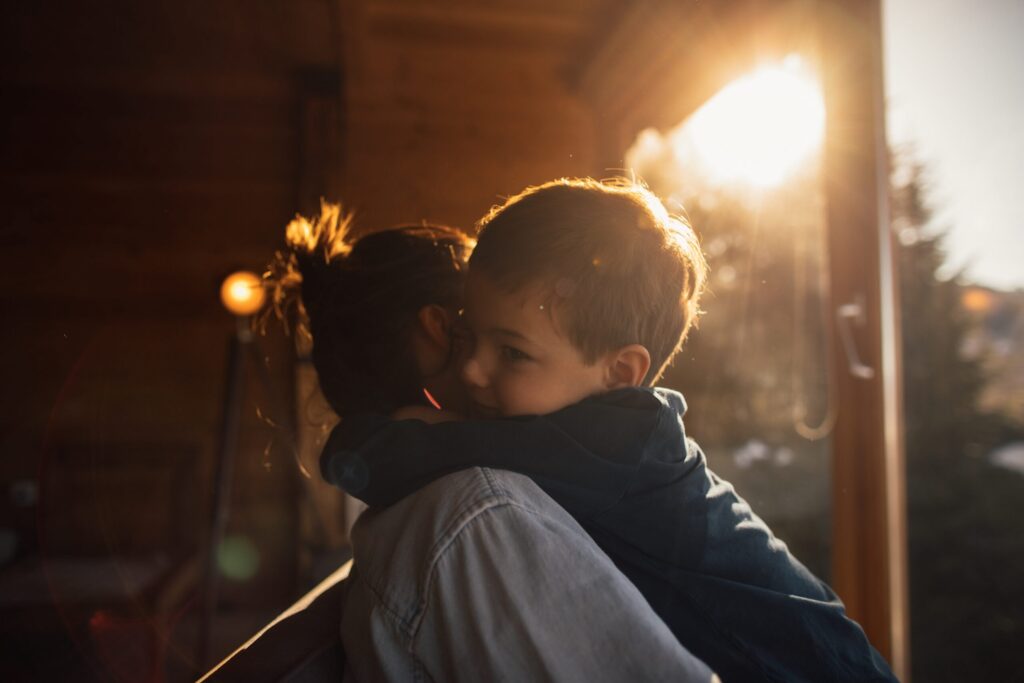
{"x": 578, "y": 295}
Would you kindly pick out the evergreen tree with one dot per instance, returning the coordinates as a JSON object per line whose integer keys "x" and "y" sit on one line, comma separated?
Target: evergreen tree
{"x": 941, "y": 385}
{"x": 966, "y": 543}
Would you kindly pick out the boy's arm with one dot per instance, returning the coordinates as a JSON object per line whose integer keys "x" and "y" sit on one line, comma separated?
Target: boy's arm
{"x": 584, "y": 455}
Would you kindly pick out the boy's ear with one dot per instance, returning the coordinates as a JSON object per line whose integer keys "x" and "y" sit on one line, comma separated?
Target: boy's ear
{"x": 628, "y": 366}
{"x": 432, "y": 340}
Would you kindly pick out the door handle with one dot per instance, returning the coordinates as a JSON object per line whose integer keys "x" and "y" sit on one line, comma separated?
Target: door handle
{"x": 846, "y": 316}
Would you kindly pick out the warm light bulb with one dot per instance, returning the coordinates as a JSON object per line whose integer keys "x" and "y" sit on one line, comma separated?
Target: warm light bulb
{"x": 242, "y": 293}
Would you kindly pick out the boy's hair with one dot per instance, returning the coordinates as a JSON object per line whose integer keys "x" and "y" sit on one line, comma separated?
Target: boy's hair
{"x": 619, "y": 269}
{"x": 359, "y": 301}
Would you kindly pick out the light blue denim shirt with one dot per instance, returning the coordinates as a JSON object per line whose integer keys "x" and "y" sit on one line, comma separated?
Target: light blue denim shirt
{"x": 480, "y": 576}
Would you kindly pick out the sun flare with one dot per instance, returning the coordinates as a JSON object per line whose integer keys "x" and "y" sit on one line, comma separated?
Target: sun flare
{"x": 759, "y": 128}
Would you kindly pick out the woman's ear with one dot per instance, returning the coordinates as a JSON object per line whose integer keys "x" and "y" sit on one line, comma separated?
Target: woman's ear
{"x": 432, "y": 341}
{"x": 628, "y": 366}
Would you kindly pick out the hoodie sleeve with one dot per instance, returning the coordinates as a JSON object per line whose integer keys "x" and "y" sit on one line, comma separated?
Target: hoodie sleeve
{"x": 585, "y": 455}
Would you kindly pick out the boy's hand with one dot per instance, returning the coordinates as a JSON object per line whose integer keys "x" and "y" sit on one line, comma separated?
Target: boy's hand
{"x": 425, "y": 414}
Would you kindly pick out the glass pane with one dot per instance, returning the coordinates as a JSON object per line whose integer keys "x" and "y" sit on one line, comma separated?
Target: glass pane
{"x": 755, "y": 372}
{"x": 957, "y": 214}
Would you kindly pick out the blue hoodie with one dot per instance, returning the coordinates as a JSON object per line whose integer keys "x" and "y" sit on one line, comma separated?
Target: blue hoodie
{"x": 620, "y": 463}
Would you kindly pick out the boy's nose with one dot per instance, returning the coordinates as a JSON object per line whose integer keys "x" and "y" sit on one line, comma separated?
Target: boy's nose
{"x": 473, "y": 372}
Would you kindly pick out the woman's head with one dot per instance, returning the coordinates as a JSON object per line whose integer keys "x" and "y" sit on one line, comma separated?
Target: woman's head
{"x": 377, "y": 308}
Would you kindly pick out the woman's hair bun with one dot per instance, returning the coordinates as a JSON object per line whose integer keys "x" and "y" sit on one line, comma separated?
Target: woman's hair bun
{"x": 354, "y": 302}
{"x": 302, "y": 276}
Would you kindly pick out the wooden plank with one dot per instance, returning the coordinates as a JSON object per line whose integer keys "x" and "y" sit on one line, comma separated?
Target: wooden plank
{"x": 121, "y": 279}
{"x": 189, "y": 34}
{"x": 157, "y": 137}
{"x": 67, "y": 211}
{"x": 483, "y": 26}
{"x": 143, "y": 149}
{"x": 46, "y": 101}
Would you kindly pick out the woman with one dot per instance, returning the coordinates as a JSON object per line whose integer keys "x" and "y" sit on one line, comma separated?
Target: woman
{"x": 479, "y": 575}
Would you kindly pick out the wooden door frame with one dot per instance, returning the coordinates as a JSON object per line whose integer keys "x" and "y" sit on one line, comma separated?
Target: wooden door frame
{"x": 869, "y": 501}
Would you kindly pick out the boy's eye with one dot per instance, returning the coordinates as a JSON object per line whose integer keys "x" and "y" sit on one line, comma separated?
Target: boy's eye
{"x": 514, "y": 354}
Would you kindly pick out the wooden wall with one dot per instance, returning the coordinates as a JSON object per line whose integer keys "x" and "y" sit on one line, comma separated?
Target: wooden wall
{"x": 452, "y": 107}
{"x": 148, "y": 149}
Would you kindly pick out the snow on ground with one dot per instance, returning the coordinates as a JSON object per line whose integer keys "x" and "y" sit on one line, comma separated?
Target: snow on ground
{"x": 1009, "y": 456}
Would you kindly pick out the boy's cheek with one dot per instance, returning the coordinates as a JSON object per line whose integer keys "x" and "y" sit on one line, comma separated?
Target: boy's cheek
{"x": 526, "y": 398}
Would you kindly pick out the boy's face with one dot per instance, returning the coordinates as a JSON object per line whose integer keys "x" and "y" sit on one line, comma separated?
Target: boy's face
{"x": 519, "y": 362}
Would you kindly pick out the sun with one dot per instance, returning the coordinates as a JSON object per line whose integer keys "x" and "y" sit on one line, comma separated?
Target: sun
{"x": 758, "y": 129}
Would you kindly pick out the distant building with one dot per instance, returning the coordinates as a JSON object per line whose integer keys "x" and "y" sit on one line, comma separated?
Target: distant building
{"x": 996, "y": 338}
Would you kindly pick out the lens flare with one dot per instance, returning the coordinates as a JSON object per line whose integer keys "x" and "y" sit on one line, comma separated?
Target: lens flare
{"x": 758, "y": 129}
{"x": 238, "y": 558}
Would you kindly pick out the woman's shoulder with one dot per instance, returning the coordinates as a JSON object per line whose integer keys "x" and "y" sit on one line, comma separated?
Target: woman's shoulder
{"x": 397, "y": 548}
{"x": 446, "y": 505}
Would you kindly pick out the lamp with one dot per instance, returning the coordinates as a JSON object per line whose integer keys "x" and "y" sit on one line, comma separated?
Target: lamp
{"x": 242, "y": 293}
